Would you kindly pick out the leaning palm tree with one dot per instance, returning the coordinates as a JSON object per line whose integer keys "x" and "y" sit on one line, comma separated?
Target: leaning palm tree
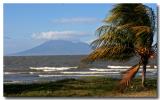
{"x": 127, "y": 32}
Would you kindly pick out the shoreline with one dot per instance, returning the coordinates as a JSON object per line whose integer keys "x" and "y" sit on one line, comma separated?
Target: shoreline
{"x": 37, "y": 74}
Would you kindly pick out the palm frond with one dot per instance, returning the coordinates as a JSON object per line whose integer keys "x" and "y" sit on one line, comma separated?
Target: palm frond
{"x": 141, "y": 30}
{"x": 116, "y": 52}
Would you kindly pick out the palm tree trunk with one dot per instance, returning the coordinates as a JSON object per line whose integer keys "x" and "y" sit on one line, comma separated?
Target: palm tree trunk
{"x": 143, "y": 75}
{"x": 144, "y": 63}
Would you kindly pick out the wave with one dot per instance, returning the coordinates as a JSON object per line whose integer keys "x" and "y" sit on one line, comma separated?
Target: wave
{"x": 95, "y": 72}
{"x": 149, "y": 70}
{"x": 155, "y": 66}
{"x": 119, "y": 70}
{"x": 65, "y": 75}
{"x": 148, "y": 66}
{"x": 32, "y": 73}
{"x": 118, "y": 66}
{"x": 101, "y": 70}
{"x": 9, "y": 82}
{"x": 149, "y": 74}
{"x": 10, "y": 73}
{"x": 47, "y": 69}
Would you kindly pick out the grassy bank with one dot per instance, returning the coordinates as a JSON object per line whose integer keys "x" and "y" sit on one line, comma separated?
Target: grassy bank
{"x": 85, "y": 87}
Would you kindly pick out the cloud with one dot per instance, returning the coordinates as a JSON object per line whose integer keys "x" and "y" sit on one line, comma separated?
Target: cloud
{"x": 60, "y": 35}
{"x": 76, "y": 20}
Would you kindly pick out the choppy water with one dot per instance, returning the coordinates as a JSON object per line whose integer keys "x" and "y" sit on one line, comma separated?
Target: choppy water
{"x": 29, "y": 74}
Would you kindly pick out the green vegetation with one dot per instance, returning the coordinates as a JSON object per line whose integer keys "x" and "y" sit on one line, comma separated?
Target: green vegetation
{"x": 84, "y": 87}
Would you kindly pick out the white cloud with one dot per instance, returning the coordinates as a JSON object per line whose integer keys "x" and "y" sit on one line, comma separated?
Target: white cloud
{"x": 76, "y": 20}
{"x": 63, "y": 35}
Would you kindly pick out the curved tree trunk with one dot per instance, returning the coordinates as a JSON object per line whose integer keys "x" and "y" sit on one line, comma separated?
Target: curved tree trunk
{"x": 129, "y": 75}
{"x": 144, "y": 63}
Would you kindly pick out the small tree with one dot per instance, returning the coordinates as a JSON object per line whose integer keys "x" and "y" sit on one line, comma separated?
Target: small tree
{"x": 127, "y": 32}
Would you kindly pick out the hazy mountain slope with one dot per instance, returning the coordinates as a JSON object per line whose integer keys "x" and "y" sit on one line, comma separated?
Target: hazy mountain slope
{"x": 58, "y": 47}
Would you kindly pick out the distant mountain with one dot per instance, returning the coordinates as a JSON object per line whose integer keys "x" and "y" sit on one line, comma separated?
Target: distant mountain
{"x": 57, "y": 47}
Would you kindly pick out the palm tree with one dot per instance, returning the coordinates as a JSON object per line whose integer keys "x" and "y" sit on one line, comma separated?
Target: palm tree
{"x": 127, "y": 32}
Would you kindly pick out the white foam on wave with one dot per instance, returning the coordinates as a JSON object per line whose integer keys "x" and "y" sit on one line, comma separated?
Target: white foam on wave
{"x": 65, "y": 75}
{"x": 118, "y": 69}
{"x": 95, "y": 72}
{"x": 101, "y": 70}
{"x": 155, "y": 66}
{"x": 32, "y": 73}
{"x": 148, "y": 66}
{"x": 149, "y": 70}
{"x": 9, "y": 73}
{"x": 46, "y": 69}
{"x": 118, "y": 66}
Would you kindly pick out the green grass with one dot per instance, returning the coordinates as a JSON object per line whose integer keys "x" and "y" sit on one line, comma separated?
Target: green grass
{"x": 84, "y": 87}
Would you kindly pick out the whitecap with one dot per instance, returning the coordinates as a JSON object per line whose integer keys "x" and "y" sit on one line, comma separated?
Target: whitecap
{"x": 95, "y": 72}
{"x": 118, "y": 66}
{"x": 101, "y": 70}
{"x": 149, "y": 70}
{"x": 155, "y": 66}
{"x": 65, "y": 75}
{"x": 9, "y": 73}
{"x": 46, "y": 69}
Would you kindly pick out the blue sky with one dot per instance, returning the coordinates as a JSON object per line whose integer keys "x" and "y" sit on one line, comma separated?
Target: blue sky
{"x": 28, "y": 25}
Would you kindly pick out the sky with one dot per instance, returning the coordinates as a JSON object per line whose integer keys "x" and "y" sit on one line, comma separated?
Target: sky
{"x": 29, "y": 25}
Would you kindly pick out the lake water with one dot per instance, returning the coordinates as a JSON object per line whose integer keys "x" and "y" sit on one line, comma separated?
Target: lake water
{"x": 51, "y": 68}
